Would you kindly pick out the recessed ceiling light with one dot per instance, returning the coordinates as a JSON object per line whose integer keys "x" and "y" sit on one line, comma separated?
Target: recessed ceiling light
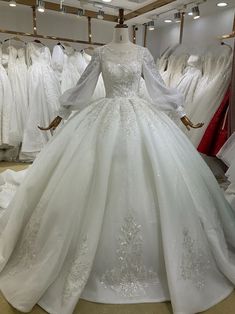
{"x": 222, "y": 4}
{"x": 190, "y": 13}
{"x": 107, "y": 0}
{"x": 168, "y": 21}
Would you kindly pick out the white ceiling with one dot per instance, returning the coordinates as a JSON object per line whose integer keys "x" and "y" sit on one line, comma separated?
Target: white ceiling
{"x": 206, "y": 8}
{"x": 125, "y": 4}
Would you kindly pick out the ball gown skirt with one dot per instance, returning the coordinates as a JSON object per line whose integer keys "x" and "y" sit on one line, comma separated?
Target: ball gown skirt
{"x": 118, "y": 208}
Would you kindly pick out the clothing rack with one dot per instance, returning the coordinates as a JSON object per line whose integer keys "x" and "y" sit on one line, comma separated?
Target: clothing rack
{"x": 3, "y": 31}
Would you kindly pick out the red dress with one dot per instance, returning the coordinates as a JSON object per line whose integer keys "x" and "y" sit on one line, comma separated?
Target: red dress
{"x": 217, "y": 131}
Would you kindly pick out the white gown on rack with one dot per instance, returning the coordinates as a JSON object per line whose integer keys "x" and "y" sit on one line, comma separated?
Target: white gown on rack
{"x": 6, "y": 105}
{"x": 119, "y": 207}
{"x": 18, "y": 75}
{"x": 216, "y": 77}
{"x": 70, "y": 73}
{"x": 44, "y": 92}
{"x": 178, "y": 70}
{"x": 189, "y": 81}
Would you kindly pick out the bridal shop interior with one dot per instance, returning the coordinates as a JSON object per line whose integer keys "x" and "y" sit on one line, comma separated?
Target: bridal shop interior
{"x": 46, "y": 47}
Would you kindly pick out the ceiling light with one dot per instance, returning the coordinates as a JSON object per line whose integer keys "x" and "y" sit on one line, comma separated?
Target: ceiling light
{"x": 80, "y": 12}
{"x": 12, "y": 3}
{"x": 168, "y": 21}
{"x": 107, "y": 1}
{"x": 177, "y": 17}
{"x": 100, "y": 15}
{"x": 222, "y": 4}
{"x": 151, "y": 26}
{"x": 41, "y": 6}
{"x": 196, "y": 12}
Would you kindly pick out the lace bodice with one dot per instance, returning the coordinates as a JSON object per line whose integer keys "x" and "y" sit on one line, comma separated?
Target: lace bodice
{"x": 37, "y": 54}
{"x": 121, "y": 71}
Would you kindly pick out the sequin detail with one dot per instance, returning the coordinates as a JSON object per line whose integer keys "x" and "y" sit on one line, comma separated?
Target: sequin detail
{"x": 26, "y": 254}
{"x": 78, "y": 273}
{"x": 130, "y": 277}
{"x": 195, "y": 262}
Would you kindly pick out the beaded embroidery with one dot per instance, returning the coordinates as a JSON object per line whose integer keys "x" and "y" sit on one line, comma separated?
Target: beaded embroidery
{"x": 130, "y": 277}
{"x": 195, "y": 262}
{"x": 78, "y": 273}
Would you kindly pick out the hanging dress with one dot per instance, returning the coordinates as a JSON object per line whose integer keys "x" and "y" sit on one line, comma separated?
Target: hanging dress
{"x": 44, "y": 92}
{"x": 210, "y": 93}
{"x": 190, "y": 79}
{"x": 18, "y": 75}
{"x": 6, "y": 105}
{"x": 70, "y": 73}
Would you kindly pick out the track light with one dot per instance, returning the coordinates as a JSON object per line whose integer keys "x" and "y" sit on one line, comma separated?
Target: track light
{"x": 80, "y": 12}
{"x": 40, "y": 6}
{"x": 100, "y": 15}
{"x": 177, "y": 17}
{"x": 62, "y": 10}
{"x": 151, "y": 26}
{"x": 196, "y": 12}
{"x": 12, "y": 3}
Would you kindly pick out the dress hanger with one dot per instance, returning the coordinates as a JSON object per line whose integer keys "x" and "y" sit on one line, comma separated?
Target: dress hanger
{"x": 16, "y": 38}
{"x": 38, "y": 42}
{"x": 61, "y": 45}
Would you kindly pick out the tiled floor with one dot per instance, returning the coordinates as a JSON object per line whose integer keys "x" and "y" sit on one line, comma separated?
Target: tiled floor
{"x": 83, "y": 307}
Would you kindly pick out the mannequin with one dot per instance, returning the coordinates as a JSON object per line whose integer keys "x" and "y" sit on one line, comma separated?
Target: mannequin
{"x": 121, "y": 42}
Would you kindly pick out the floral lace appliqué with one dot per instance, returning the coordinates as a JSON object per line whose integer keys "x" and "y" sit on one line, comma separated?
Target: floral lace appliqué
{"x": 195, "y": 262}
{"x": 130, "y": 277}
{"x": 78, "y": 273}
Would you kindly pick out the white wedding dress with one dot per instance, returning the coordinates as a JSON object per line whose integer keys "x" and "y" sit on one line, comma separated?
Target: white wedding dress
{"x": 118, "y": 207}
{"x": 44, "y": 93}
{"x": 190, "y": 79}
{"x": 18, "y": 75}
{"x": 70, "y": 73}
{"x": 6, "y": 105}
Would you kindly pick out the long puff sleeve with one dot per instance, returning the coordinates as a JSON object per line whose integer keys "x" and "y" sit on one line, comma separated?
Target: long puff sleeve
{"x": 78, "y": 97}
{"x": 164, "y": 98}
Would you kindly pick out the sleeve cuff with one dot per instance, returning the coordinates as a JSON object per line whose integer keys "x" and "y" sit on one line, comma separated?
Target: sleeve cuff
{"x": 180, "y": 111}
{"x": 64, "y": 113}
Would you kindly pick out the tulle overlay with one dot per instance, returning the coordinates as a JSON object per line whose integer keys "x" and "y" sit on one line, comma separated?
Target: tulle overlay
{"x": 124, "y": 211}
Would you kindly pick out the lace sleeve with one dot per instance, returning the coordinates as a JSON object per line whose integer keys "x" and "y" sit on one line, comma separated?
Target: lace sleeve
{"x": 164, "y": 98}
{"x": 77, "y": 98}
